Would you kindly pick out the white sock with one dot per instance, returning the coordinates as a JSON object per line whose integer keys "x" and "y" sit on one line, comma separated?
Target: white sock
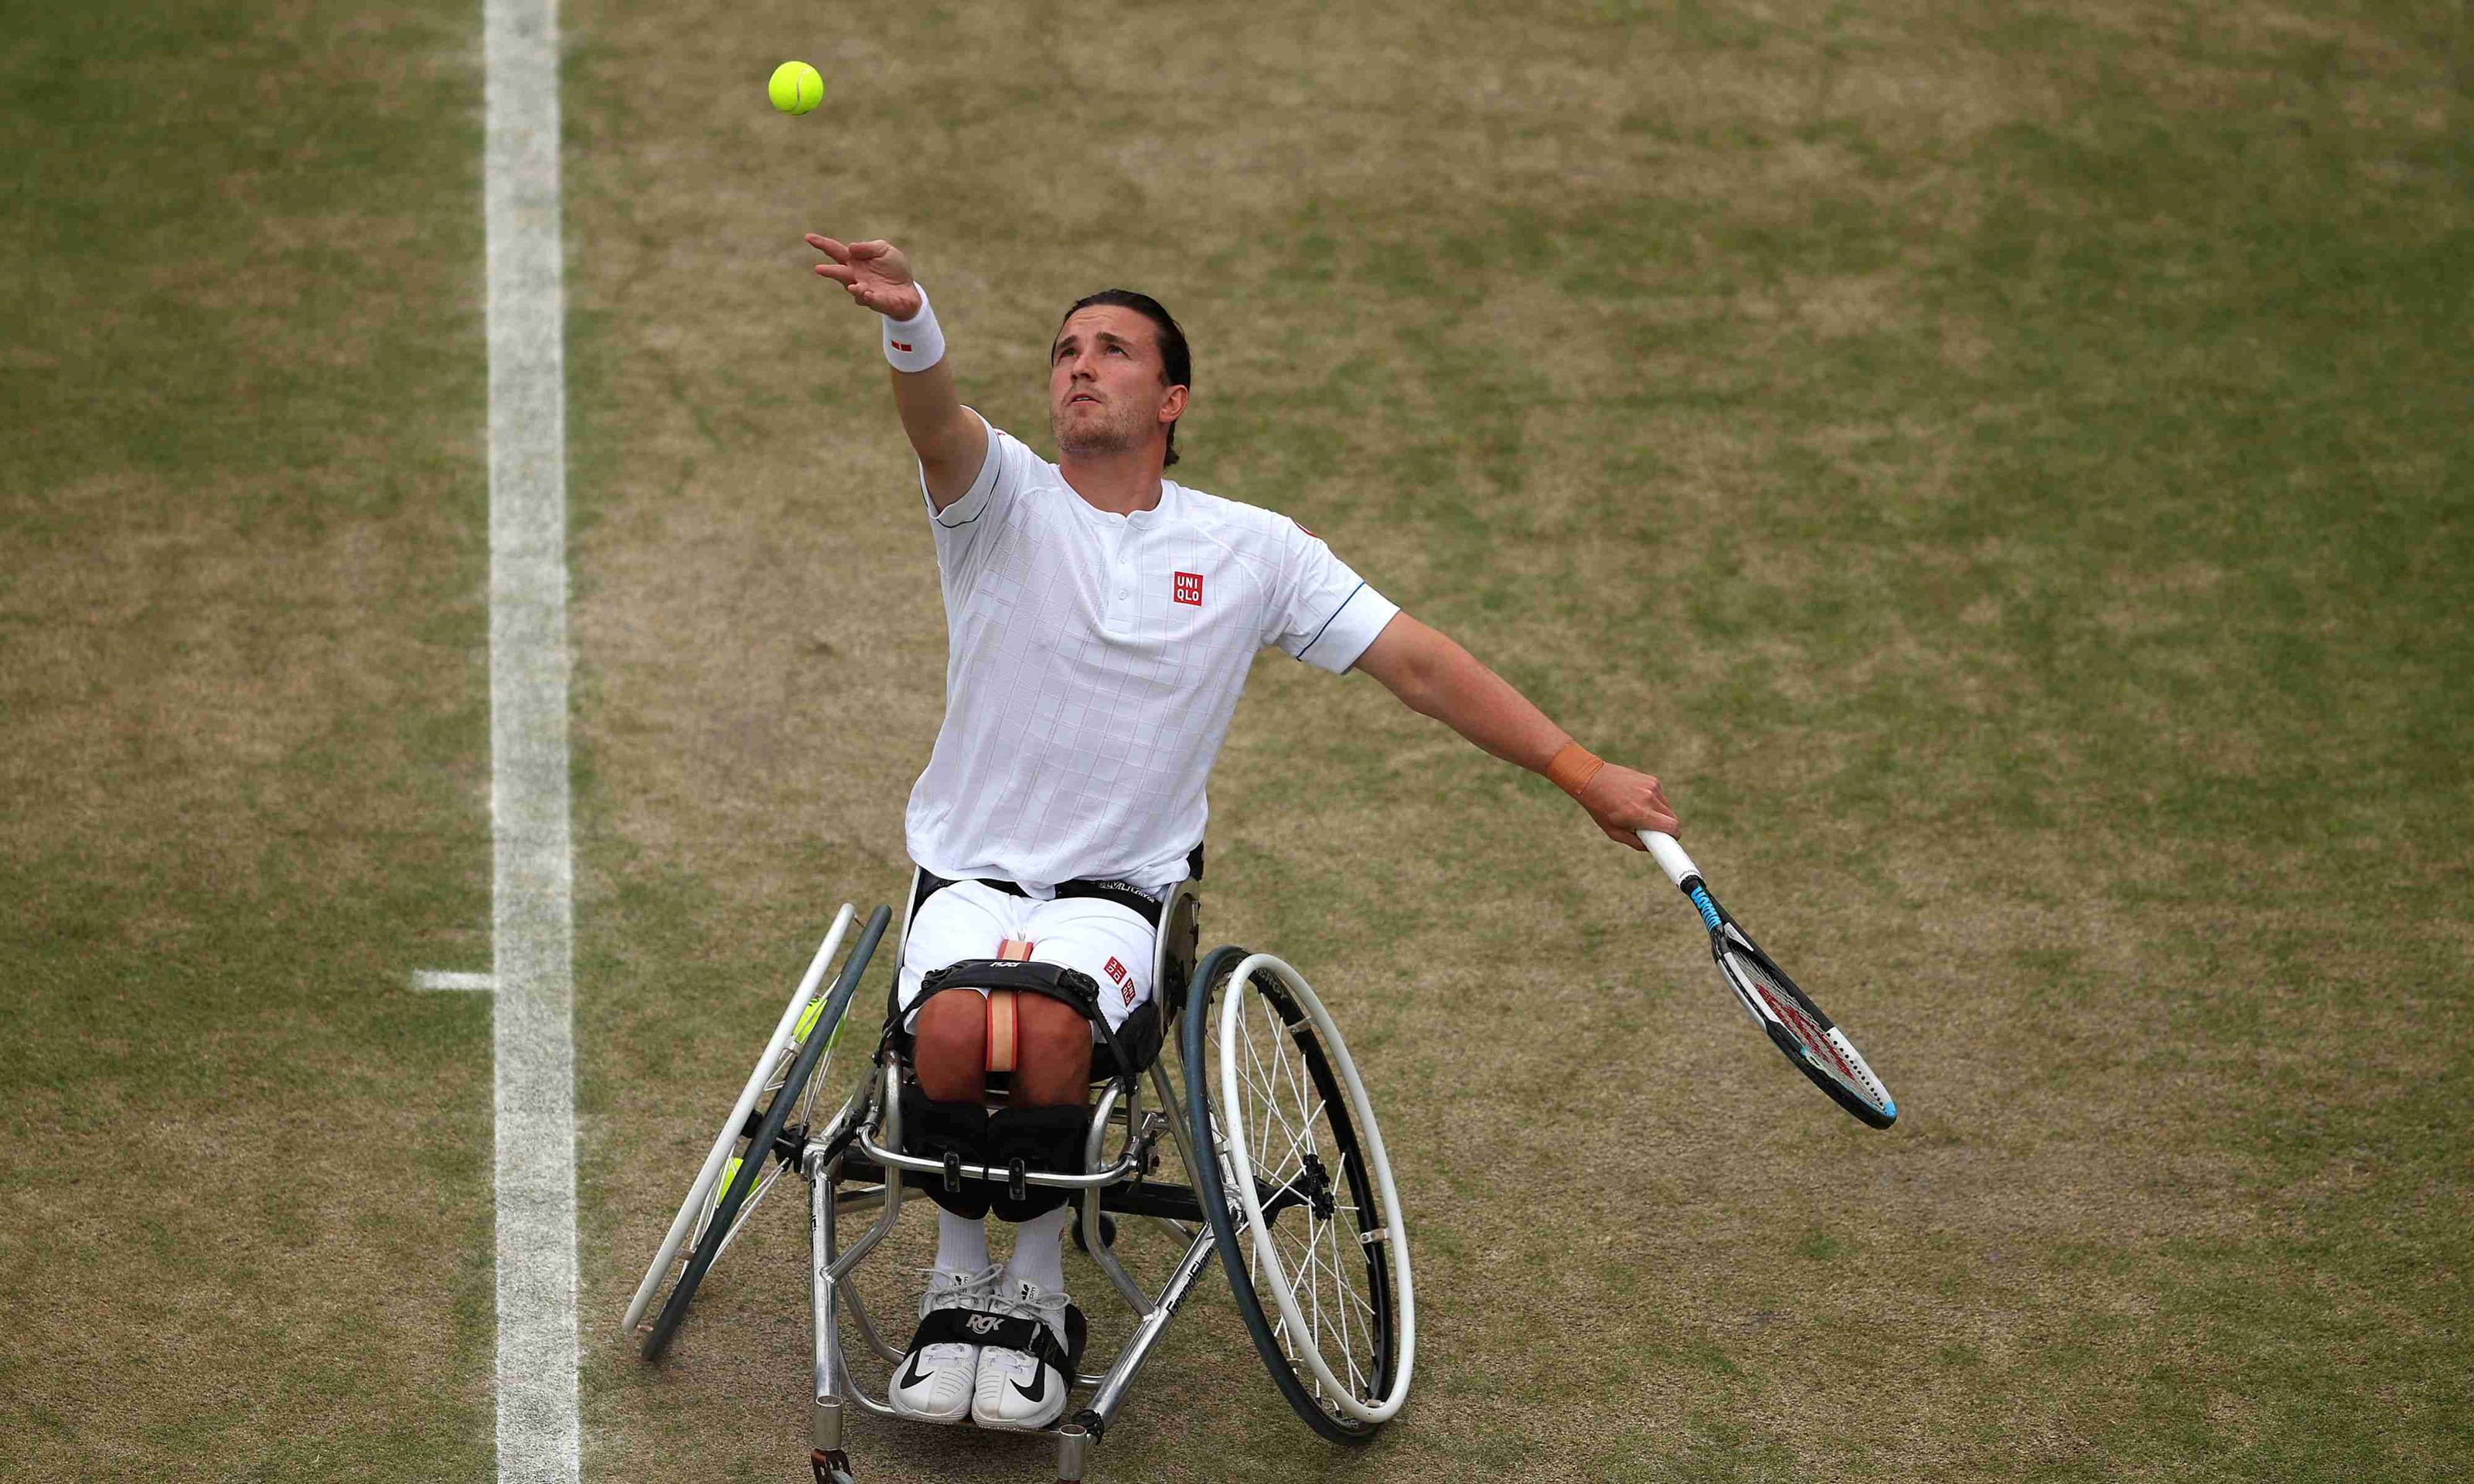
{"x": 1039, "y": 1250}
{"x": 962, "y": 1242}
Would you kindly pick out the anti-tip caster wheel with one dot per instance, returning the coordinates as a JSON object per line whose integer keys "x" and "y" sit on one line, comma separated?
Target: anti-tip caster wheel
{"x": 832, "y": 1467}
{"x": 1108, "y": 1233}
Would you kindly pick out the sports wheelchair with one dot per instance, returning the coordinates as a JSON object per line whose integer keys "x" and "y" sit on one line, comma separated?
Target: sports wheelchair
{"x": 1286, "y": 1181}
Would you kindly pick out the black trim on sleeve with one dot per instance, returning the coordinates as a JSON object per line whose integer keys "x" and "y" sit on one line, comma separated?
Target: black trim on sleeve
{"x": 1327, "y": 623}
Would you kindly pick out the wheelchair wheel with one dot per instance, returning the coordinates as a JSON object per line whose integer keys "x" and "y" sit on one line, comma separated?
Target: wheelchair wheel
{"x": 762, "y": 1153}
{"x": 1295, "y": 1181}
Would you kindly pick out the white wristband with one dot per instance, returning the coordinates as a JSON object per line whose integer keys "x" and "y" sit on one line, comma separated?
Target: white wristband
{"x": 915, "y": 344}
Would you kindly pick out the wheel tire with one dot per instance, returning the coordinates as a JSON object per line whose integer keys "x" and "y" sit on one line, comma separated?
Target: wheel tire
{"x": 741, "y": 1190}
{"x": 1379, "y": 1344}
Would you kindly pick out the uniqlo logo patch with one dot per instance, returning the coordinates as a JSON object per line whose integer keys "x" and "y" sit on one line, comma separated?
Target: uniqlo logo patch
{"x": 1116, "y": 971}
{"x": 1189, "y": 588}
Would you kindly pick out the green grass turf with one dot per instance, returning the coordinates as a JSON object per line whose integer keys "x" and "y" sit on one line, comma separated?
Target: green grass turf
{"x": 243, "y": 744}
{"x": 2004, "y": 467}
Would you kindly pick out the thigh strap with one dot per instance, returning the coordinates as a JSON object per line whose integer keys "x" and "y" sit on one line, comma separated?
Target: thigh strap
{"x": 1050, "y": 981}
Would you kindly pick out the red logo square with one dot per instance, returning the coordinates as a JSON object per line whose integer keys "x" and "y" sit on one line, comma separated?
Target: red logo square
{"x": 1189, "y": 588}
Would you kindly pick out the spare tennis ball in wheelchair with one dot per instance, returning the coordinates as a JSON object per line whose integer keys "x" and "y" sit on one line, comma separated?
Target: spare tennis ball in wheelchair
{"x": 795, "y": 87}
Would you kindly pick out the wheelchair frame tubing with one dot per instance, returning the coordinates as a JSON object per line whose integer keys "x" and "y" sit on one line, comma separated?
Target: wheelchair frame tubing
{"x": 830, "y": 1266}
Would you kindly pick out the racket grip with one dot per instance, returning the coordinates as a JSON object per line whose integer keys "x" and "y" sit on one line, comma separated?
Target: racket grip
{"x": 1670, "y": 858}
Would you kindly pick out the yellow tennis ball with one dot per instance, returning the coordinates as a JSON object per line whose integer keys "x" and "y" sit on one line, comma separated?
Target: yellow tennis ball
{"x": 795, "y": 87}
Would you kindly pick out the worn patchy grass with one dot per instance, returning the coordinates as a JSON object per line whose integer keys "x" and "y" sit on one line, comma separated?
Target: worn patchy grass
{"x": 2004, "y": 467}
{"x": 244, "y": 1171}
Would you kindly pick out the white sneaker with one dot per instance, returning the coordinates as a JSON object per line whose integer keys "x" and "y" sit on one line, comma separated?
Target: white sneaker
{"x": 934, "y": 1382}
{"x": 1027, "y": 1364}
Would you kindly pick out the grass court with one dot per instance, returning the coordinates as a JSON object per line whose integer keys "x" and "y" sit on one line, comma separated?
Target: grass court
{"x": 2004, "y": 466}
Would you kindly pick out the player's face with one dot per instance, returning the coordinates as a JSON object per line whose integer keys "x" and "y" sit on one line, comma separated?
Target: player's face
{"x": 1108, "y": 389}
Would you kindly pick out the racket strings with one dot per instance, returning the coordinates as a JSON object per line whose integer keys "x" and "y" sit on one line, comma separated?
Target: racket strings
{"x": 1793, "y": 1022}
{"x": 1809, "y": 1028}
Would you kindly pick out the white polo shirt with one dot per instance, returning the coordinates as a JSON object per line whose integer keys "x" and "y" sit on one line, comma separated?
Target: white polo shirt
{"x": 1093, "y": 663}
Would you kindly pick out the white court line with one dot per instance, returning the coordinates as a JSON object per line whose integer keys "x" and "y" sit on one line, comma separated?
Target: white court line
{"x": 448, "y": 980}
{"x": 533, "y": 926}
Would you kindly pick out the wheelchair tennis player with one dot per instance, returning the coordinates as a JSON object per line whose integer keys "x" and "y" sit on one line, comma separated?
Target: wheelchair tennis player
{"x": 1101, "y": 621}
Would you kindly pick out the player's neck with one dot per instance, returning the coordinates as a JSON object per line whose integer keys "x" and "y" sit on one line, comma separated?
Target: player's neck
{"x": 1116, "y": 484}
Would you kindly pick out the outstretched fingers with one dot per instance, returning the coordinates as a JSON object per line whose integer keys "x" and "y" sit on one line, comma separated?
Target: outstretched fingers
{"x": 839, "y": 269}
{"x": 875, "y": 274}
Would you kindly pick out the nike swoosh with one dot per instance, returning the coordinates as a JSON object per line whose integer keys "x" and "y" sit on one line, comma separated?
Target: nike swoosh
{"x": 913, "y": 1378}
{"x": 1034, "y": 1395}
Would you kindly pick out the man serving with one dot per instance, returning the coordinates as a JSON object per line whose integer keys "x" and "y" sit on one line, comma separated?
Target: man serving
{"x": 1100, "y": 622}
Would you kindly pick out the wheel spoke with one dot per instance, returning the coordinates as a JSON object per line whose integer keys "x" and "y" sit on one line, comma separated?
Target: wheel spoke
{"x": 1303, "y": 1271}
{"x": 1274, "y": 1077}
{"x": 1261, "y": 1093}
{"x": 1346, "y": 1296}
{"x": 1365, "y": 1306}
{"x": 1339, "y": 1309}
{"x": 1293, "y": 1150}
{"x": 1305, "y": 1077}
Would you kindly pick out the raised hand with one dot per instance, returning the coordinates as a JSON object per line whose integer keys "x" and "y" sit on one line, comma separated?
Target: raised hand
{"x": 875, "y": 275}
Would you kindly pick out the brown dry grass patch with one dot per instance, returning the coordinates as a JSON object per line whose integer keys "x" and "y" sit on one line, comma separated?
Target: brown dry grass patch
{"x": 1370, "y": 223}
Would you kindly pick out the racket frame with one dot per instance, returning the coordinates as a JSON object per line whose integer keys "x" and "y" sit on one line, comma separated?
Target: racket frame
{"x": 1727, "y": 935}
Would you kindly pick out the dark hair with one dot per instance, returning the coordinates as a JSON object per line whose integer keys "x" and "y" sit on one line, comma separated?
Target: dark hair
{"x": 1176, "y": 361}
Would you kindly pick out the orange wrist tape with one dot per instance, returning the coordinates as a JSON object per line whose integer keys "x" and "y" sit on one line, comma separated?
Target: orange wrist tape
{"x": 1573, "y": 768}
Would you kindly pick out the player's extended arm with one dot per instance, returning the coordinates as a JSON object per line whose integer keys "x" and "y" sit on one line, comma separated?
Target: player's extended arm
{"x": 951, "y": 440}
{"x": 1435, "y": 676}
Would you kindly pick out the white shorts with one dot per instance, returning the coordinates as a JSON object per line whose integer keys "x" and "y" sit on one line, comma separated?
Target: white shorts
{"x": 1107, "y": 941}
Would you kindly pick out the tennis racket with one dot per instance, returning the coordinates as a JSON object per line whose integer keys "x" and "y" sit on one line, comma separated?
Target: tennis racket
{"x": 1794, "y": 1023}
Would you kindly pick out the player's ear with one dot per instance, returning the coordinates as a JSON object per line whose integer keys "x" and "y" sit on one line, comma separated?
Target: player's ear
{"x": 1173, "y": 406}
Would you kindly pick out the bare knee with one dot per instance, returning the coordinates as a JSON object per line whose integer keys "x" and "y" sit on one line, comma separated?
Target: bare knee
{"x": 1053, "y": 1068}
{"x": 949, "y": 1050}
